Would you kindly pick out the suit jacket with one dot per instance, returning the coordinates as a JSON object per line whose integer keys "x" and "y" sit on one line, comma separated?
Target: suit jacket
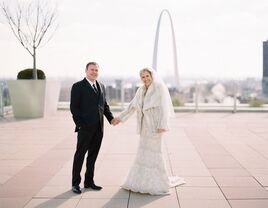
{"x": 87, "y": 107}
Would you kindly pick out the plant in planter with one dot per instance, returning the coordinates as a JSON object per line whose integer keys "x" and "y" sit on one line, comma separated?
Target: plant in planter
{"x": 33, "y": 23}
{"x": 28, "y": 74}
{"x": 33, "y": 98}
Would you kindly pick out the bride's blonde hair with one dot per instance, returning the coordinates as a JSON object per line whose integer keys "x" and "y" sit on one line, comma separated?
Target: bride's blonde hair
{"x": 150, "y": 71}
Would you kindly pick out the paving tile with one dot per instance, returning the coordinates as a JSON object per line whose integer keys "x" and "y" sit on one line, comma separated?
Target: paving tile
{"x": 261, "y": 175}
{"x": 211, "y": 149}
{"x": 4, "y": 178}
{"x": 59, "y": 180}
{"x": 185, "y": 156}
{"x": 57, "y": 192}
{"x": 17, "y": 191}
{"x": 117, "y": 164}
{"x": 222, "y": 161}
{"x": 65, "y": 171}
{"x": 194, "y": 164}
{"x": 103, "y": 203}
{"x": 245, "y": 192}
{"x": 204, "y": 203}
{"x": 183, "y": 172}
{"x": 255, "y": 163}
{"x": 200, "y": 182}
{"x": 119, "y": 157}
{"x": 237, "y": 182}
{"x": 107, "y": 192}
{"x": 147, "y": 201}
{"x": 229, "y": 172}
{"x": 111, "y": 177}
{"x": 15, "y": 163}
{"x": 259, "y": 171}
{"x": 261, "y": 203}
{"x": 13, "y": 202}
{"x": 199, "y": 193}
{"x": 10, "y": 170}
{"x": 52, "y": 203}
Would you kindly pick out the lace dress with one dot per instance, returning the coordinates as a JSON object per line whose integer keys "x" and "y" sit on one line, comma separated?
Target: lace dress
{"x": 148, "y": 173}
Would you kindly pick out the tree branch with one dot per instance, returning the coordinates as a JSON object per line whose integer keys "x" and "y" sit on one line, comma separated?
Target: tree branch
{"x": 15, "y": 26}
{"x": 31, "y": 24}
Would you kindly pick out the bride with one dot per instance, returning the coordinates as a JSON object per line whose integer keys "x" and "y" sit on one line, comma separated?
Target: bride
{"x": 154, "y": 108}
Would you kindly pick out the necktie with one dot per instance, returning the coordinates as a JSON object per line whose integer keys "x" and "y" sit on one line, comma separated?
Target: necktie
{"x": 95, "y": 89}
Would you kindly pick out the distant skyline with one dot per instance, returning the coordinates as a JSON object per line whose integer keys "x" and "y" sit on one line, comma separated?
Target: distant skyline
{"x": 219, "y": 38}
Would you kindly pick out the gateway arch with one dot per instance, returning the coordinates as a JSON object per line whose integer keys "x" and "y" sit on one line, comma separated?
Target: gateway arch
{"x": 155, "y": 57}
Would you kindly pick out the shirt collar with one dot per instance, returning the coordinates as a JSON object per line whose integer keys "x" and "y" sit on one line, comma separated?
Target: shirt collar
{"x": 90, "y": 82}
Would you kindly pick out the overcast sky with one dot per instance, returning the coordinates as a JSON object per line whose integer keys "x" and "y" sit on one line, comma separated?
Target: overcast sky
{"x": 215, "y": 38}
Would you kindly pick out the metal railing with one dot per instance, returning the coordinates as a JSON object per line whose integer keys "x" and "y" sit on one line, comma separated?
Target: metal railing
{"x": 194, "y": 100}
{"x": 200, "y": 98}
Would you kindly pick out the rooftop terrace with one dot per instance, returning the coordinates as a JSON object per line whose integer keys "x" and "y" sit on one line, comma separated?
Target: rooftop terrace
{"x": 222, "y": 156}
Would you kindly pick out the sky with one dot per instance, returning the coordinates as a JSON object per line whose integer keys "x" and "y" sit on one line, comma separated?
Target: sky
{"x": 214, "y": 38}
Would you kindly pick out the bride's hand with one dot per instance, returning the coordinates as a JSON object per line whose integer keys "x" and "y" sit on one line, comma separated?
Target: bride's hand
{"x": 160, "y": 130}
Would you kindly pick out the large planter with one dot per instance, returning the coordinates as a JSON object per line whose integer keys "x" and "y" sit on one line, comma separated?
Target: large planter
{"x": 33, "y": 98}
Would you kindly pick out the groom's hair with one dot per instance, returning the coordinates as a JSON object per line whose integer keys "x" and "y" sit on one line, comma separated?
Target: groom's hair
{"x": 92, "y": 63}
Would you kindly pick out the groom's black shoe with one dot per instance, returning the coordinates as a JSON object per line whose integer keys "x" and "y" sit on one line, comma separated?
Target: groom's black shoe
{"x": 76, "y": 189}
{"x": 93, "y": 186}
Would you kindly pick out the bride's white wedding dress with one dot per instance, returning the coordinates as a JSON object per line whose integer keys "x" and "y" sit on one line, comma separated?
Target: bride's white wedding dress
{"x": 148, "y": 173}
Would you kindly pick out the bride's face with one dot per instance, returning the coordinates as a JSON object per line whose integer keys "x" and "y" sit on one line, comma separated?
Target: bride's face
{"x": 146, "y": 78}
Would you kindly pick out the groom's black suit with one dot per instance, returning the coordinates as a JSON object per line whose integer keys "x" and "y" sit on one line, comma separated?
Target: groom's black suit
{"x": 88, "y": 108}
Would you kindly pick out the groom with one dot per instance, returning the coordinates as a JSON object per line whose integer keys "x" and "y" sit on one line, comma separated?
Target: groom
{"x": 88, "y": 105}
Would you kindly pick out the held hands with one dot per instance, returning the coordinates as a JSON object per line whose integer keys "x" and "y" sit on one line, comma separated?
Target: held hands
{"x": 115, "y": 121}
{"x": 159, "y": 131}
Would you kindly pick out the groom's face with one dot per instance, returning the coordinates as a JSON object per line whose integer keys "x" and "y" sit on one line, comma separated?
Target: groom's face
{"x": 92, "y": 72}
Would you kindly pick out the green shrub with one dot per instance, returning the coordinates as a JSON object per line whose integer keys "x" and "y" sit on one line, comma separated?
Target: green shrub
{"x": 113, "y": 102}
{"x": 6, "y": 101}
{"x": 177, "y": 101}
{"x": 256, "y": 102}
{"x": 28, "y": 74}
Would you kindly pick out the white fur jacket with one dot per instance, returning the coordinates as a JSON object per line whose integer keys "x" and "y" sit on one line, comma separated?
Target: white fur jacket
{"x": 149, "y": 108}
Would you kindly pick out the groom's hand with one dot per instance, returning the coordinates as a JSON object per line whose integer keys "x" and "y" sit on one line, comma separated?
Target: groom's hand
{"x": 115, "y": 121}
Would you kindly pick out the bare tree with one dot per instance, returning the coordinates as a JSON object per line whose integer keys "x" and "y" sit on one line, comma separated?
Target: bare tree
{"x": 32, "y": 23}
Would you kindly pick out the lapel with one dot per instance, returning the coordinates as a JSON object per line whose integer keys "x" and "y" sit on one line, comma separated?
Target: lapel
{"x": 152, "y": 97}
{"x": 91, "y": 88}
{"x": 99, "y": 88}
{"x": 149, "y": 93}
{"x": 139, "y": 98}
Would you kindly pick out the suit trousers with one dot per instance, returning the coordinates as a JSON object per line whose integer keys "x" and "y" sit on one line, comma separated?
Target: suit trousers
{"x": 89, "y": 140}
